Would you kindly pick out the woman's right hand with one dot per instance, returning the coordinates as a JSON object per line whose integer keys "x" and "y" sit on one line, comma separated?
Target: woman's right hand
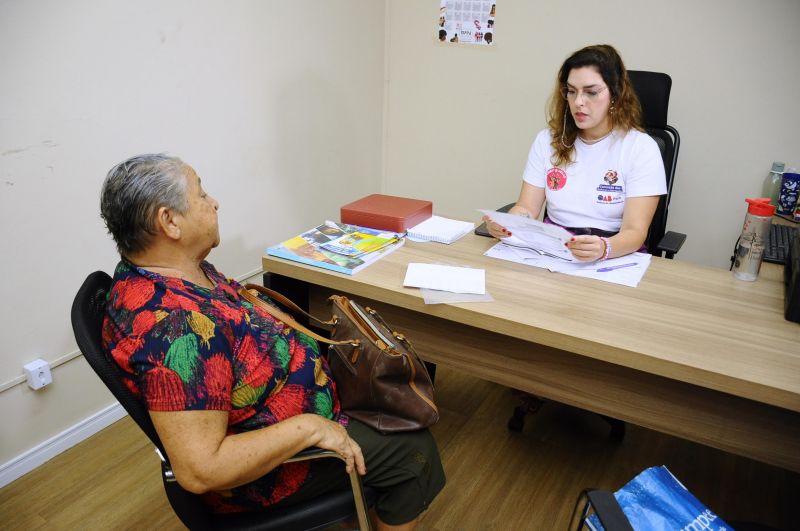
{"x": 333, "y": 436}
{"x": 495, "y": 229}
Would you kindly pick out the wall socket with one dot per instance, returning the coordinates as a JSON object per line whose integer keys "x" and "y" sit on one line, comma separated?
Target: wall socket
{"x": 38, "y": 373}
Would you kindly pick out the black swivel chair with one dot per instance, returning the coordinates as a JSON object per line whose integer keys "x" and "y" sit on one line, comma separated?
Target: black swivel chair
{"x": 653, "y": 89}
{"x": 88, "y": 310}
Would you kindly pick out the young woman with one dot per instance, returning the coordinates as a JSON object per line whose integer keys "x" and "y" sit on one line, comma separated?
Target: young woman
{"x": 600, "y": 174}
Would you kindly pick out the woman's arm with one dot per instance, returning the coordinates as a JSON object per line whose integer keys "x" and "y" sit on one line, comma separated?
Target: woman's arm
{"x": 205, "y": 458}
{"x": 636, "y": 218}
{"x": 529, "y": 204}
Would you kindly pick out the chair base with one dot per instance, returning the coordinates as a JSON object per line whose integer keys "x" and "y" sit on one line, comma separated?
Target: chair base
{"x": 532, "y": 404}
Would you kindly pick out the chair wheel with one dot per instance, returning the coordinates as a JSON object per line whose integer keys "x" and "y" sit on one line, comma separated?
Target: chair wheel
{"x": 517, "y": 420}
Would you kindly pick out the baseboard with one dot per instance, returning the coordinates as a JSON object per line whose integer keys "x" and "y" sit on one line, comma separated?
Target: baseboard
{"x": 37, "y": 456}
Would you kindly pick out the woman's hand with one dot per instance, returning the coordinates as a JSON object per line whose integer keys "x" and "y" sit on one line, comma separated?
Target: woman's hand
{"x": 587, "y": 248}
{"x": 333, "y": 436}
{"x": 495, "y": 229}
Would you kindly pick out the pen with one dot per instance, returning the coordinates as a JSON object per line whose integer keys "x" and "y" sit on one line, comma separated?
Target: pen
{"x": 612, "y": 268}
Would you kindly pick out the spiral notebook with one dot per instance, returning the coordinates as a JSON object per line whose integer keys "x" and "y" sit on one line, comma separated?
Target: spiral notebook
{"x": 439, "y": 229}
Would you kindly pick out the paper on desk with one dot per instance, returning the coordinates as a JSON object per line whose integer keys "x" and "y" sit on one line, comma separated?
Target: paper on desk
{"x": 628, "y": 275}
{"x": 528, "y": 233}
{"x": 446, "y": 278}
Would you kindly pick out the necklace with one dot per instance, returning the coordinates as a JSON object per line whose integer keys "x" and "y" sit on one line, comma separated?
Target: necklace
{"x": 595, "y": 141}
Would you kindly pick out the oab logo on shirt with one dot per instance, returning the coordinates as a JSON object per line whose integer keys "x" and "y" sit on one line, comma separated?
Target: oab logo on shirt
{"x": 609, "y": 193}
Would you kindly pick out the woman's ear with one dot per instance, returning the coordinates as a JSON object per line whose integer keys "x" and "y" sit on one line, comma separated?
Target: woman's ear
{"x": 167, "y": 223}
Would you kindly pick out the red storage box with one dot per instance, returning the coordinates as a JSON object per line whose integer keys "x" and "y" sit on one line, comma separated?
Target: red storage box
{"x": 386, "y": 212}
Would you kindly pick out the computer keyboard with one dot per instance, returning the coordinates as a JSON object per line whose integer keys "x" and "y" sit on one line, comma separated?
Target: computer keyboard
{"x": 777, "y": 247}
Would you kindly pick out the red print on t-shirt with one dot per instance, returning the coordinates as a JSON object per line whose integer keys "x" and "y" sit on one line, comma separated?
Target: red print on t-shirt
{"x": 556, "y": 178}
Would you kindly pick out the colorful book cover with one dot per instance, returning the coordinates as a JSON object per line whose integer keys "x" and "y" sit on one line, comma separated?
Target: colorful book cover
{"x": 360, "y": 242}
{"x": 307, "y": 248}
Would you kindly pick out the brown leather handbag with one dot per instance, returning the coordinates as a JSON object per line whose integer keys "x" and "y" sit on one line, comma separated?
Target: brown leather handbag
{"x": 380, "y": 379}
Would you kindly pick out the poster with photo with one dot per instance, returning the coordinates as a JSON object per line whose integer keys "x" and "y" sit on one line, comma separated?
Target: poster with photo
{"x": 467, "y": 21}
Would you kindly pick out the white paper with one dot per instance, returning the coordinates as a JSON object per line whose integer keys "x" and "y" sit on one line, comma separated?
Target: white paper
{"x": 446, "y": 278}
{"x": 439, "y": 229}
{"x": 544, "y": 238}
{"x": 630, "y": 274}
{"x": 435, "y": 296}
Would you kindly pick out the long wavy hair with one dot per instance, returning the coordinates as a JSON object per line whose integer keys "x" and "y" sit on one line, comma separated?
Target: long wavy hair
{"x": 625, "y": 114}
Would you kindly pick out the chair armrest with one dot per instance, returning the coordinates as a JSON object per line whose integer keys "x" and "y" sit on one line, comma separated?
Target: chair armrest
{"x": 355, "y": 480}
{"x": 311, "y": 452}
{"x": 481, "y": 229}
{"x": 671, "y": 243}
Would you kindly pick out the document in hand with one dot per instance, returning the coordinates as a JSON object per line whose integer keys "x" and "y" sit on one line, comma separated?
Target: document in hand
{"x": 543, "y": 238}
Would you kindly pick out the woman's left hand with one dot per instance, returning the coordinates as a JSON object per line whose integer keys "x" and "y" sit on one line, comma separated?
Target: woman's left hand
{"x": 587, "y": 248}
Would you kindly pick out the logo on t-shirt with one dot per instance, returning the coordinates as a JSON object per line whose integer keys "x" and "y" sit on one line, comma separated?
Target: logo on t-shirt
{"x": 556, "y": 179}
{"x": 610, "y": 193}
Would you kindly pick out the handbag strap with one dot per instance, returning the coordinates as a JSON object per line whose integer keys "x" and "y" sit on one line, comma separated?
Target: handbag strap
{"x": 283, "y": 299}
{"x": 285, "y": 318}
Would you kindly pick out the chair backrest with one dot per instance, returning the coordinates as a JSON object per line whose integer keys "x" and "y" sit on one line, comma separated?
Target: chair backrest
{"x": 653, "y": 89}
{"x": 88, "y": 311}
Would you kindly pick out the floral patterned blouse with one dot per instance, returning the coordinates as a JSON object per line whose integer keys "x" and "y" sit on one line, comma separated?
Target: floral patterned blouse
{"x": 185, "y": 347}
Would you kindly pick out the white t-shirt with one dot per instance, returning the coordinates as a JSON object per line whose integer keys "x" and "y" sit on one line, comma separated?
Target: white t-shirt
{"x": 591, "y": 191}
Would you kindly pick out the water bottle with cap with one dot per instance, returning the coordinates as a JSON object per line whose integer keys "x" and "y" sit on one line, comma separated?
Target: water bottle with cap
{"x": 750, "y": 247}
{"x": 772, "y": 184}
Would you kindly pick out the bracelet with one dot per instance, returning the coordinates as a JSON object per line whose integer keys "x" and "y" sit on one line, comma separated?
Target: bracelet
{"x": 607, "y": 252}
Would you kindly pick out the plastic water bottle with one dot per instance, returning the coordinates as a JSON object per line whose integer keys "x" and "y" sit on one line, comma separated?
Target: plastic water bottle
{"x": 772, "y": 184}
{"x": 750, "y": 247}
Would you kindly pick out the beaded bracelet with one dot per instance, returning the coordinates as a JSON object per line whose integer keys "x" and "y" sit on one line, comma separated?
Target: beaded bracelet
{"x": 607, "y": 252}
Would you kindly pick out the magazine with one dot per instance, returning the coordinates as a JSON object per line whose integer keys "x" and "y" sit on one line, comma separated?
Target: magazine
{"x": 361, "y": 242}
{"x": 307, "y": 248}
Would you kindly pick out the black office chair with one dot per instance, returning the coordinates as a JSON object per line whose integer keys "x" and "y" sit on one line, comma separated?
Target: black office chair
{"x": 88, "y": 310}
{"x": 653, "y": 89}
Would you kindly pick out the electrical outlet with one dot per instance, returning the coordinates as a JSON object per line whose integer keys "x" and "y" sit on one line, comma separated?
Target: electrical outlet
{"x": 38, "y": 373}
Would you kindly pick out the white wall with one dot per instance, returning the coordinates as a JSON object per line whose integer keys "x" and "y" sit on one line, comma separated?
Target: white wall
{"x": 278, "y": 106}
{"x": 461, "y": 119}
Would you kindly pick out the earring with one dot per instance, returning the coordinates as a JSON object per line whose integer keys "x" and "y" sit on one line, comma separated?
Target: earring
{"x": 611, "y": 109}
{"x": 563, "y": 129}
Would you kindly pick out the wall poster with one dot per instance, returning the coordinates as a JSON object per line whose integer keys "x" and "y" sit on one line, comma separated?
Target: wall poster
{"x": 467, "y": 21}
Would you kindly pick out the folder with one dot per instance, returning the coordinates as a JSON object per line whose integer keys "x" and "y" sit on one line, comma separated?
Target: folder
{"x": 386, "y": 212}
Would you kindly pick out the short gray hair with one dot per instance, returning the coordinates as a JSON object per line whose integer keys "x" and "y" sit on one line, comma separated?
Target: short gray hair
{"x": 132, "y": 193}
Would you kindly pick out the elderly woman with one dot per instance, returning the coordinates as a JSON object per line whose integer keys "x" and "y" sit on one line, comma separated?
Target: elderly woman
{"x": 232, "y": 392}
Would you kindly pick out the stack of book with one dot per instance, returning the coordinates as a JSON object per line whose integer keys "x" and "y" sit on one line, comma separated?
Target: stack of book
{"x": 339, "y": 247}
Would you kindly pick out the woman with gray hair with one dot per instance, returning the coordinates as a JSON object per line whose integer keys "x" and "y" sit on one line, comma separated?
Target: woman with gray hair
{"x": 233, "y": 392}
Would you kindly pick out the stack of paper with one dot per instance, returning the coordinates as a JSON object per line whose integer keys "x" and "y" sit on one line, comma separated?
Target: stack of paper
{"x": 439, "y": 229}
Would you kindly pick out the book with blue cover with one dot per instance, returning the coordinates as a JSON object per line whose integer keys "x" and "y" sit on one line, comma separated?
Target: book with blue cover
{"x": 312, "y": 248}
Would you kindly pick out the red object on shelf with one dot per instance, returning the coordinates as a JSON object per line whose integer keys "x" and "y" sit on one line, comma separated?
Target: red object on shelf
{"x": 386, "y": 212}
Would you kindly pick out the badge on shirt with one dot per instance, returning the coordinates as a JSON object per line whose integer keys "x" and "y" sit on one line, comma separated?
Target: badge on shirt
{"x": 610, "y": 193}
{"x": 556, "y": 179}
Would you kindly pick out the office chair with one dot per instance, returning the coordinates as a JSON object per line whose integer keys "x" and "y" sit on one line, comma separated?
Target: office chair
{"x": 88, "y": 310}
{"x": 652, "y": 89}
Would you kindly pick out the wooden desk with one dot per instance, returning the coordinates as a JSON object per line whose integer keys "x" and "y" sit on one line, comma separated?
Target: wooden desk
{"x": 691, "y": 352}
